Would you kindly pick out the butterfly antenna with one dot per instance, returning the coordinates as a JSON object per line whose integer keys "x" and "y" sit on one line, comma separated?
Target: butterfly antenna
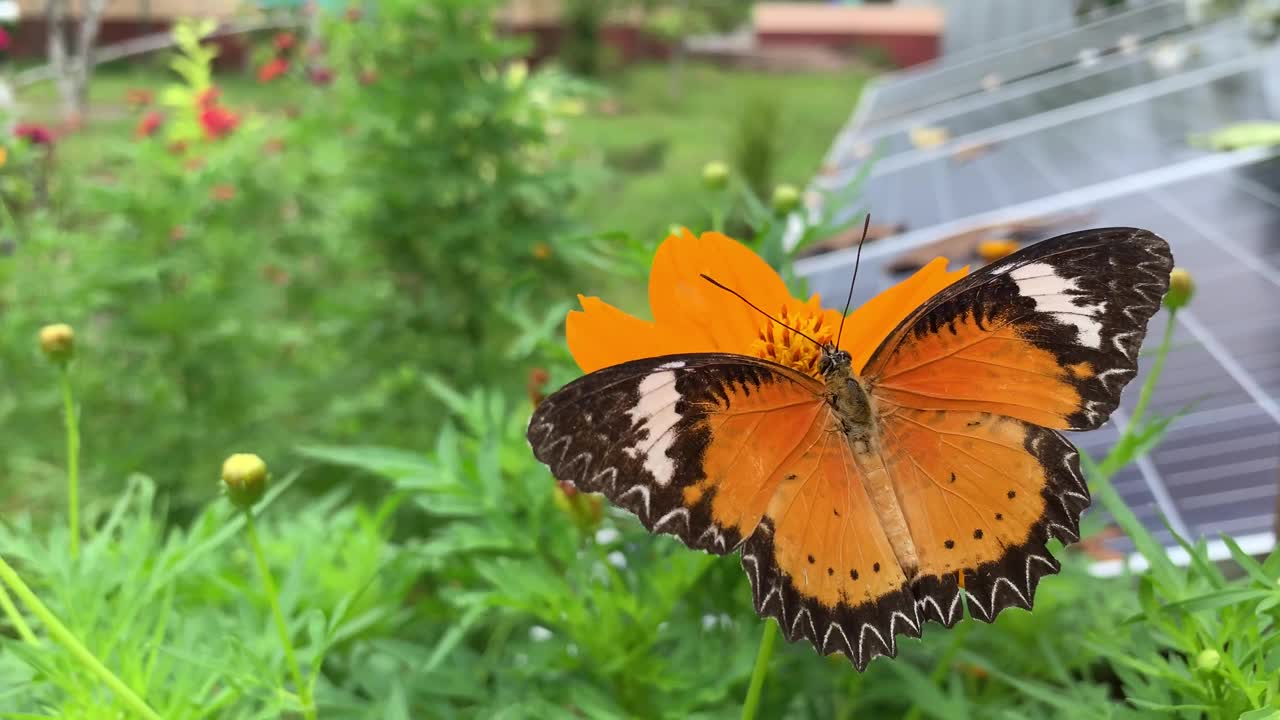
{"x": 755, "y": 307}
{"x": 866, "y": 225}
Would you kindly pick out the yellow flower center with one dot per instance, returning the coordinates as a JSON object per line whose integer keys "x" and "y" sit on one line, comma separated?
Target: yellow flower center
{"x": 777, "y": 343}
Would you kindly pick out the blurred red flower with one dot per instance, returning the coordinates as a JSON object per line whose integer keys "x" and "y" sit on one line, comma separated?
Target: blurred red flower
{"x": 368, "y": 77}
{"x": 33, "y": 133}
{"x": 354, "y": 13}
{"x": 4, "y": 39}
{"x": 149, "y": 124}
{"x": 222, "y": 193}
{"x": 273, "y": 69}
{"x": 284, "y": 41}
{"x": 218, "y": 122}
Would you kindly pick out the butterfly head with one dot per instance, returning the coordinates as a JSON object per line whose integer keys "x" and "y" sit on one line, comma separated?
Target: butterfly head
{"x": 834, "y": 361}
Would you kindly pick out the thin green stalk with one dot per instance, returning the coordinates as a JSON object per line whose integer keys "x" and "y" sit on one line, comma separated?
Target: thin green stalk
{"x": 304, "y": 690}
{"x": 15, "y": 618}
{"x": 73, "y": 461}
{"x": 717, "y": 217}
{"x": 1120, "y": 454}
{"x": 1157, "y": 367}
{"x": 68, "y": 640}
{"x": 767, "y": 640}
{"x": 944, "y": 664}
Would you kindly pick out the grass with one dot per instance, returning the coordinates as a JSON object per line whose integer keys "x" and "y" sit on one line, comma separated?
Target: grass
{"x": 697, "y": 127}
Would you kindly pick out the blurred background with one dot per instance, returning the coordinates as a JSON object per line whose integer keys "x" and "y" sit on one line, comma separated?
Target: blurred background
{"x": 344, "y": 236}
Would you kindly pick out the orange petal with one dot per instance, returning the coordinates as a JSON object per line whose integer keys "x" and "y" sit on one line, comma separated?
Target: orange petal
{"x": 871, "y": 323}
{"x": 601, "y": 335}
{"x": 706, "y": 317}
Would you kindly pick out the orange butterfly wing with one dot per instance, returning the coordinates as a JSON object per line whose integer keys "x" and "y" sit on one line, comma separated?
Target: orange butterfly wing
{"x": 727, "y": 452}
{"x": 820, "y": 561}
{"x": 681, "y": 441}
{"x": 1049, "y": 335}
{"x": 966, "y": 388}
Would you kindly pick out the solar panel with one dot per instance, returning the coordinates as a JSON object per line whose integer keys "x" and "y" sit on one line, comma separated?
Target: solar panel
{"x": 900, "y": 95}
{"x": 1213, "y": 46}
{"x": 1112, "y": 147}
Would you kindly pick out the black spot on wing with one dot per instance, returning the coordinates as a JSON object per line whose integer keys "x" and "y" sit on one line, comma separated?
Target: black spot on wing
{"x": 860, "y": 631}
{"x": 1011, "y": 579}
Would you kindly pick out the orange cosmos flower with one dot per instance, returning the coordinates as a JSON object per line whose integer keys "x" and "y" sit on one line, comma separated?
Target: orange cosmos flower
{"x": 692, "y": 315}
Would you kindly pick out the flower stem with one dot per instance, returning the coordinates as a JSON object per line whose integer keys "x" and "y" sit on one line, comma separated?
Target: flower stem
{"x": 282, "y": 628}
{"x": 767, "y": 640}
{"x": 73, "y": 461}
{"x": 15, "y": 618}
{"x": 73, "y": 645}
{"x": 943, "y": 666}
{"x": 1157, "y": 367}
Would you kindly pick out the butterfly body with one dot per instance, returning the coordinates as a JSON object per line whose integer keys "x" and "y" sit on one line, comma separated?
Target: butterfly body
{"x": 851, "y": 407}
{"x": 865, "y": 500}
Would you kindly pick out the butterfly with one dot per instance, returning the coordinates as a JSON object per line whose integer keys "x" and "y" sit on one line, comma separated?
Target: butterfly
{"x": 864, "y": 504}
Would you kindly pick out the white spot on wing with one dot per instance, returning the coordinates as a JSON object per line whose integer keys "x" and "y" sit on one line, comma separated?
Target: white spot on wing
{"x": 656, "y": 412}
{"x": 1049, "y": 291}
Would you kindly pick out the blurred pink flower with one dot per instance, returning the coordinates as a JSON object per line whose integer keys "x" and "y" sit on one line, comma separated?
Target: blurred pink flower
{"x": 321, "y": 75}
{"x": 34, "y": 133}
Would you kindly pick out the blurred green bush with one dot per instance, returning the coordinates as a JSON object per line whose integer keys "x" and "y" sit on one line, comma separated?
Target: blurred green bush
{"x": 247, "y": 278}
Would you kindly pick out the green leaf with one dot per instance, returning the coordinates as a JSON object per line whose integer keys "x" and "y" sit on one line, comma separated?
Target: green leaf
{"x": 453, "y": 636}
{"x": 1251, "y": 566}
{"x": 1215, "y": 600}
{"x": 387, "y": 462}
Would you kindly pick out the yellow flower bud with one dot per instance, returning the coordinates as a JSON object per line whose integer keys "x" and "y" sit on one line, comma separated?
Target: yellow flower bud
{"x": 244, "y": 475}
{"x": 58, "y": 342}
{"x": 715, "y": 175}
{"x": 786, "y": 198}
{"x": 1181, "y": 288}
{"x": 1208, "y": 660}
{"x": 993, "y": 250}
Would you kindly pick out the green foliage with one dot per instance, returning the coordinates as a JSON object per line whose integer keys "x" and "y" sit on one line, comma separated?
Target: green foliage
{"x": 756, "y": 143}
{"x": 180, "y": 617}
{"x": 225, "y": 283}
{"x": 460, "y": 187}
{"x": 378, "y": 268}
{"x": 675, "y": 20}
{"x": 582, "y": 46}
